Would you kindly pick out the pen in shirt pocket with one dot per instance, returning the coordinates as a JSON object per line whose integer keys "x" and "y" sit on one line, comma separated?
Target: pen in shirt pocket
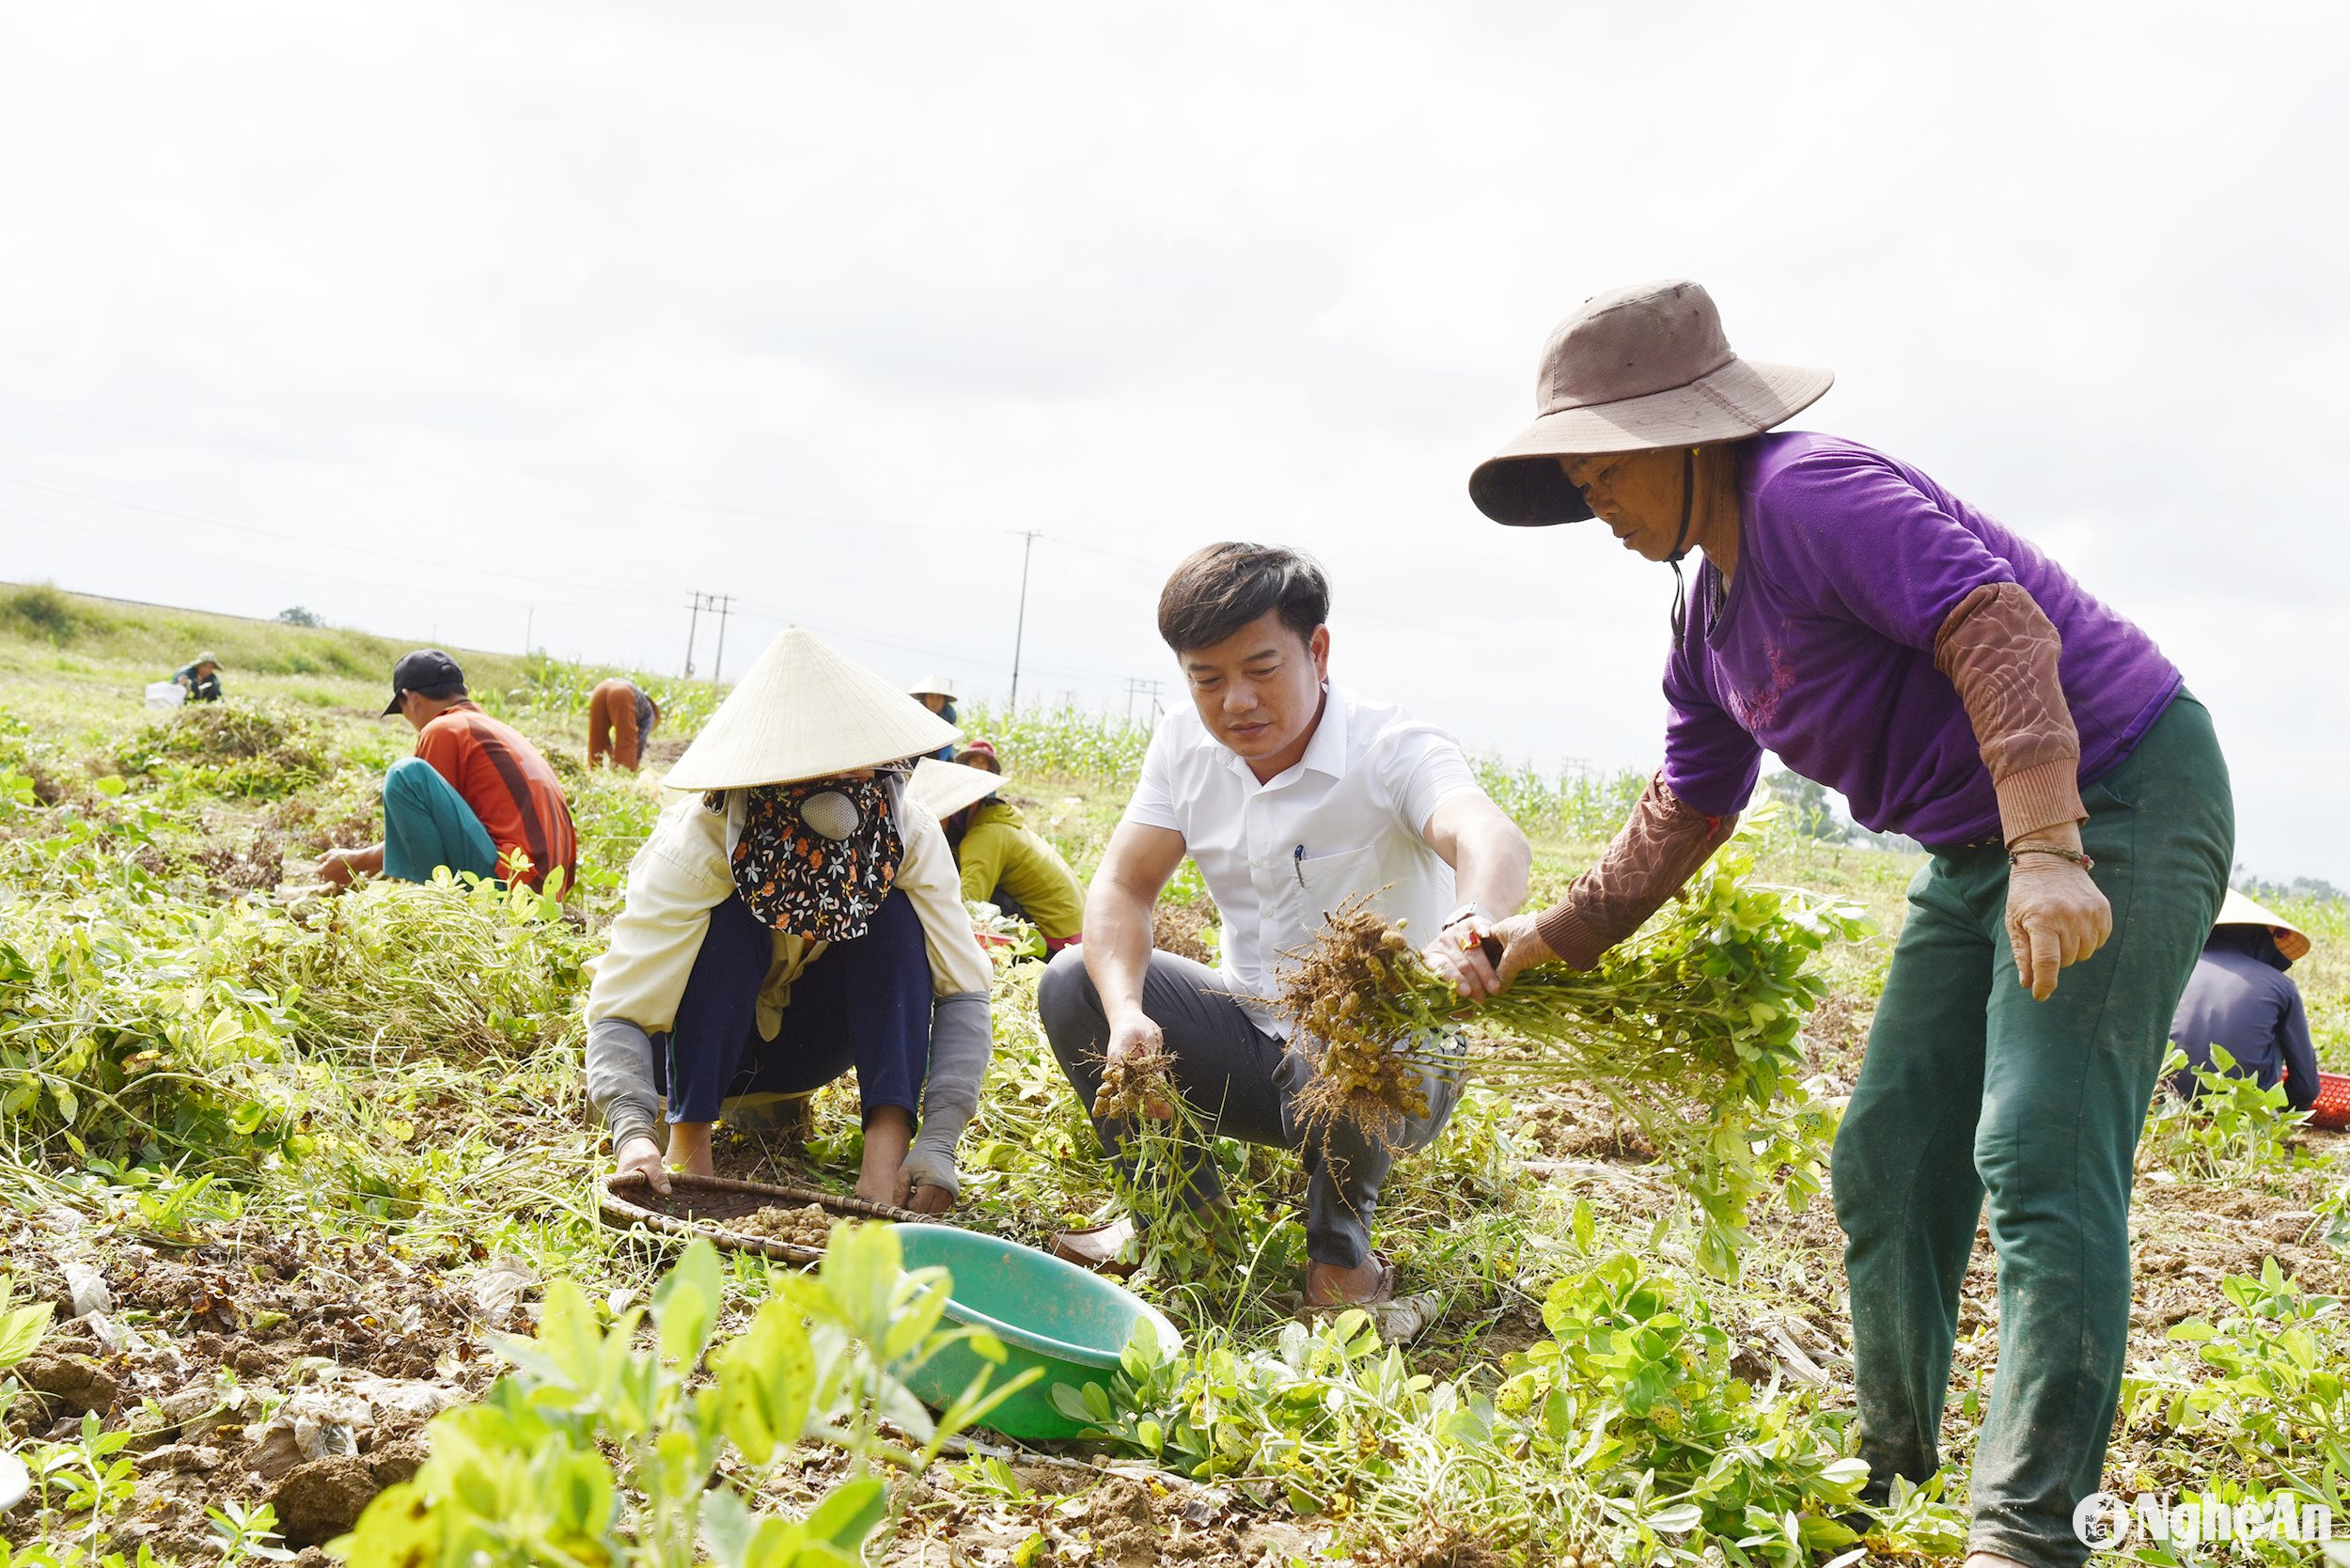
{"x": 1297, "y": 863}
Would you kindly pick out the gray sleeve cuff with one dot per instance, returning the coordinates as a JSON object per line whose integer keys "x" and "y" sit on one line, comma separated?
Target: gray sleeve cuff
{"x": 962, "y": 1040}
{"x": 620, "y": 1080}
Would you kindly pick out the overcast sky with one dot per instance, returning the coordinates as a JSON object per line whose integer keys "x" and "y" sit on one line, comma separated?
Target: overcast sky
{"x": 445, "y": 320}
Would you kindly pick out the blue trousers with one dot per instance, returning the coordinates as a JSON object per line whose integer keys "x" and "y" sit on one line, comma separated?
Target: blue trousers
{"x": 864, "y": 1004}
{"x": 427, "y": 826}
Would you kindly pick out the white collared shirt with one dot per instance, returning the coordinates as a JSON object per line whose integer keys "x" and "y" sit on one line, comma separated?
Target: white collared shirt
{"x": 1351, "y": 817}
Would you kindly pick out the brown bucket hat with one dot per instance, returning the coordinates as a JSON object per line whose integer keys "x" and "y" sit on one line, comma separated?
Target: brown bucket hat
{"x": 1634, "y": 368}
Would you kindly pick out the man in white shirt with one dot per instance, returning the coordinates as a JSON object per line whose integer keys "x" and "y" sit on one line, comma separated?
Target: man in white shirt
{"x": 1292, "y": 794}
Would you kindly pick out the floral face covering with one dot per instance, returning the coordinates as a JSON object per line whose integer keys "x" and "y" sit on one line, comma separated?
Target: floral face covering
{"x": 816, "y": 859}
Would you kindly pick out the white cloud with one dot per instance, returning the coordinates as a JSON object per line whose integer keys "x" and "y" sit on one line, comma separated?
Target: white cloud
{"x": 814, "y": 307}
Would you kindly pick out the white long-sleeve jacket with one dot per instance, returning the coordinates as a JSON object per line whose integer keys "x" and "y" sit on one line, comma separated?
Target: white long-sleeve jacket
{"x": 681, "y": 873}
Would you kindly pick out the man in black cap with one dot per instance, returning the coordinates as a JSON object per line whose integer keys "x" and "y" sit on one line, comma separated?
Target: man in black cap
{"x": 476, "y": 796}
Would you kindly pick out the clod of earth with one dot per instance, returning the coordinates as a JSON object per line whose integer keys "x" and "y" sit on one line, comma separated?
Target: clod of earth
{"x": 77, "y": 1382}
{"x": 180, "y": 1459}
{"x": 323, "y": 1499}
{"x": 1118, "y": 1521}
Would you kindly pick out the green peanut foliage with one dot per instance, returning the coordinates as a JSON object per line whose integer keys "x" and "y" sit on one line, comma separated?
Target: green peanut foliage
{"x": 528, "y": 1475}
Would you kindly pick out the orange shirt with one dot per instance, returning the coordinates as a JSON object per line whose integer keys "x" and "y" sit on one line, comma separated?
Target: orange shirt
{"x": 510, "y": 786}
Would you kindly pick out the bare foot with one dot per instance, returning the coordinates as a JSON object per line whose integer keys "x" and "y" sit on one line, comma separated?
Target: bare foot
{"x": 889, "y": 1134}
{"x": 1332, "y": 1285}
{"x": 689, "y": 1148}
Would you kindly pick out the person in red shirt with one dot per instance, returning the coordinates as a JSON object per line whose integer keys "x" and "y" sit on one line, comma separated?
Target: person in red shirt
{"x": 620, "y": 719}
{"x": 475, "y": 797}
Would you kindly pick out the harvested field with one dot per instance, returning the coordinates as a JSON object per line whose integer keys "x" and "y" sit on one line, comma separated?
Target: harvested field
{"x": 286, "y": 1171}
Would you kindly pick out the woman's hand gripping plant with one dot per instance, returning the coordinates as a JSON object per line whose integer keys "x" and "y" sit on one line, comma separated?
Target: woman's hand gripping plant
{"x": 1690, "y": 1031}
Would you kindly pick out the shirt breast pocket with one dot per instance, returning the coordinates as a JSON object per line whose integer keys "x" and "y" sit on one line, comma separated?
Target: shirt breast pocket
{"x": 1327, "y": 881}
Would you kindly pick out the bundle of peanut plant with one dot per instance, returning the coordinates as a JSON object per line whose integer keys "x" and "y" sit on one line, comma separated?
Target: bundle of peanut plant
{"x": 1690, "y": 1031}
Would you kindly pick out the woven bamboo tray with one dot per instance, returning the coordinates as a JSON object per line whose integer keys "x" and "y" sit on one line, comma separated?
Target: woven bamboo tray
{"x": 701, "y": 1206}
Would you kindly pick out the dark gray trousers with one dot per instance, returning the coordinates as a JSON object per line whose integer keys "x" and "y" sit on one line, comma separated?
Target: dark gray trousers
{"x": 1240, "y": 1081}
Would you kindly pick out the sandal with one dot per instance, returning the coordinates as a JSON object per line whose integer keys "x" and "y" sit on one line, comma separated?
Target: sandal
{"x": 1106, "y": 1250}
{"x": 1397, "y": 1320}
{"x": 1380, "y": 1295}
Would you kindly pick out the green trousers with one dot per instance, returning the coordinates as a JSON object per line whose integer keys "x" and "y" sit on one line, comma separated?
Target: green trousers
{"x": 1972, "y": 1089}
{"x": 428, "y": 825}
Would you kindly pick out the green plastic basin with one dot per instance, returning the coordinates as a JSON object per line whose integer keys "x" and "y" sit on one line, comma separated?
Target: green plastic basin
{"x": 1067, "y": 1319}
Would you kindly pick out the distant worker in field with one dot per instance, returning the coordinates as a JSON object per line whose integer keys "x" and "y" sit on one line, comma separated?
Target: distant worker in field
{"x": 796, "y": 916}
{"x": 201, "y": 679}
{"x": 1890, "y": 641}
{"x": 1292, "y": 794}
{"x": 935, "y": 693}
{"x": 2241, "y": 999}
{"x": 620, "y": 720}
{"x": 475, "y": 797}
{"x": 1003, "y": 861}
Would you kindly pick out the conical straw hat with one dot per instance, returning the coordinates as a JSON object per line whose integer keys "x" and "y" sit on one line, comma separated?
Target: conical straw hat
{"x": 804, "y": 711}
{"x": 945, "y": 788}
{"x": 936, "y": 685}
{"x": 2237, "y": 910}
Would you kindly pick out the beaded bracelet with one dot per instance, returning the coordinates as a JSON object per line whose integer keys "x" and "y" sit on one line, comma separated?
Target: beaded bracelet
{"x": 2015, "y": 856}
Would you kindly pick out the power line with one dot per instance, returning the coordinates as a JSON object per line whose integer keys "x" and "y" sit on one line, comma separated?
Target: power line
{"x": 1137, "y": 686}
{"x": 692, "y": 625}
{"x": 933, "y": 652}
{"x": 719, "y": 604}
{"x": 604, "y": 492}
{"x": 1020, "y": 626}
{"x": 724, "y": 603}
{"x": 621, "y": 595}
{"x": 546, "y": 481}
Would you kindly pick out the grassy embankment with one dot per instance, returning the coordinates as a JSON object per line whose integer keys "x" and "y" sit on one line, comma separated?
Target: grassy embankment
{"x": 305, "y": 1138}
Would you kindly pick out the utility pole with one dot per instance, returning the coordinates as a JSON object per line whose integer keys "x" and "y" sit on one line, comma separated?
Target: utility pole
{"x": 724, "y": 605}
{"x": 1020, "y": 626}
{"x": 692, "y": 626}
{"x": 529, "y": 619}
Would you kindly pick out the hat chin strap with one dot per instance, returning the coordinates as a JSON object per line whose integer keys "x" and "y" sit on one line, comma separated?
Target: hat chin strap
{"x": 1681, "y": 545}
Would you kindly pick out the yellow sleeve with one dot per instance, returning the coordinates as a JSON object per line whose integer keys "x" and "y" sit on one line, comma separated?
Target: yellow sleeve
{"x": 983, "y": 853}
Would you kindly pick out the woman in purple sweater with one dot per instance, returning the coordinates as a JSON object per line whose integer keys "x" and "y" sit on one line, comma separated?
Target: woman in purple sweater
{"x": 1890, "y": 641}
